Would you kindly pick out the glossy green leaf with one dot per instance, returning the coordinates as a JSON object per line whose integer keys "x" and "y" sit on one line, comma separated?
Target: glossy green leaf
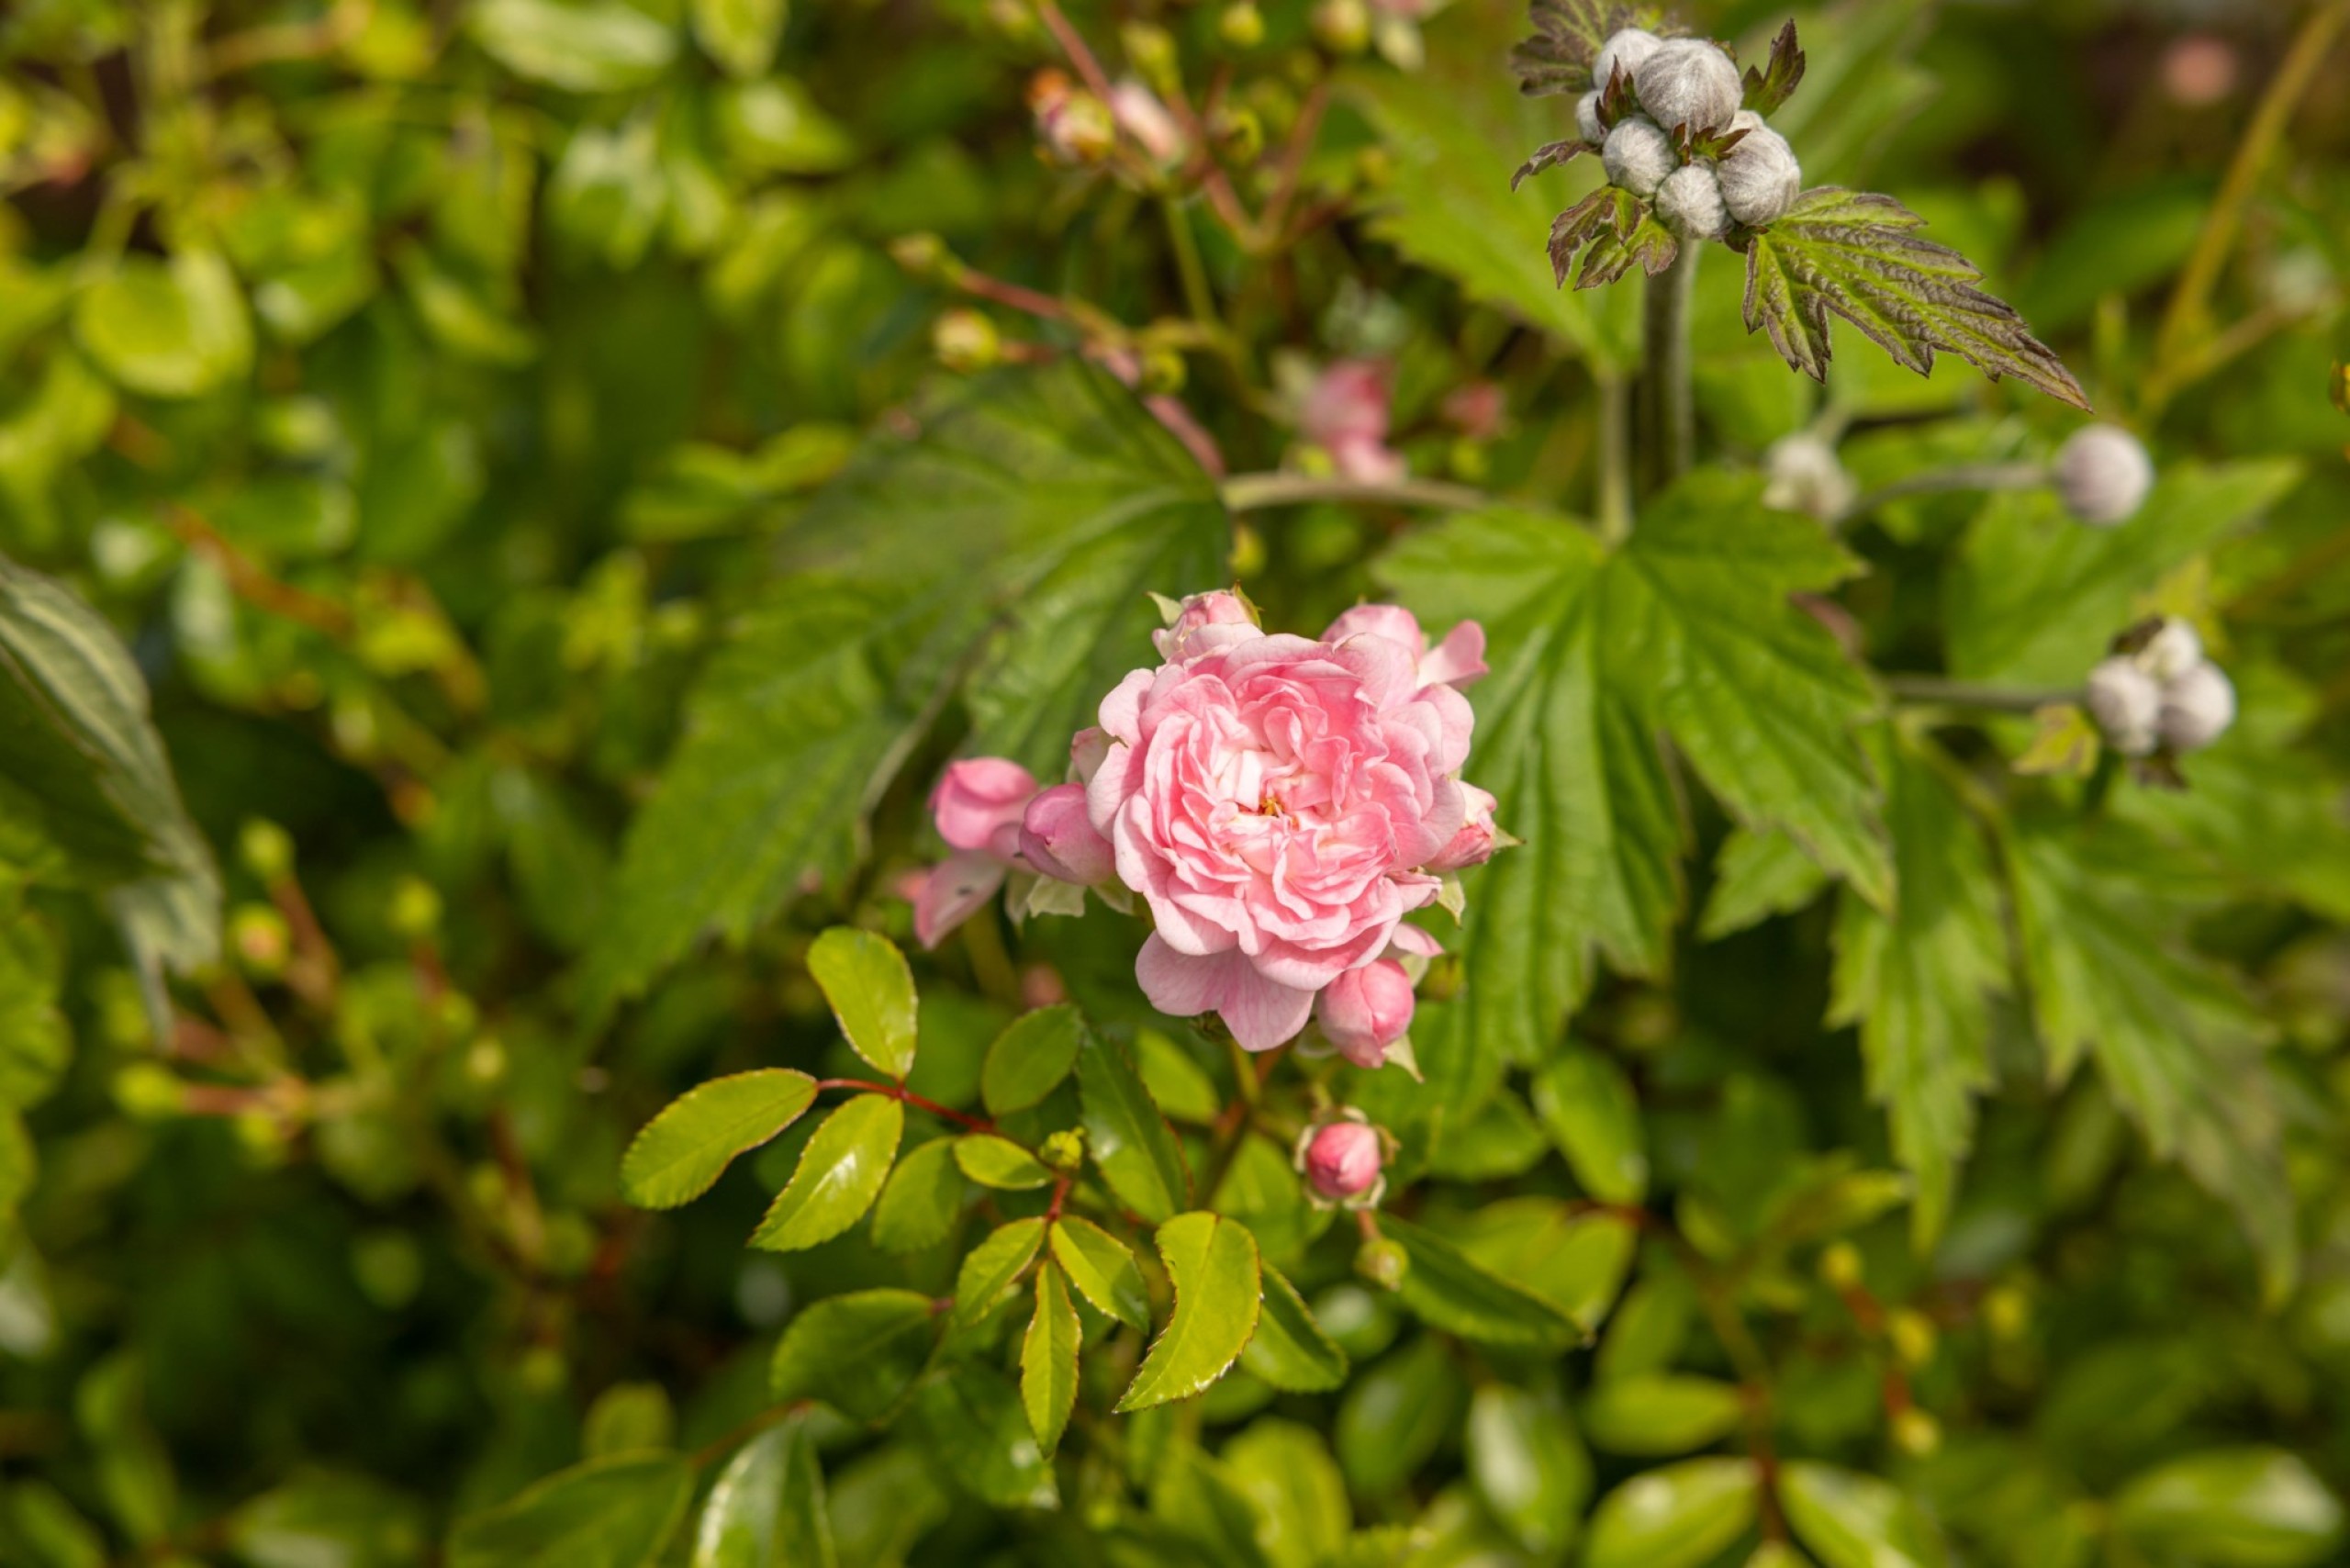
{"x": 917, "y": 1208}
{"x": 839, "y": 1174}
{"x": 1849, "y": 1521}
{"x": 993, "y": 1267}
{"x": 174, "y": 328}
{"x": 1029, "y": 1059}
{"x": 1125, "y": 1134}
{"x": 766, "y": 1508}
{"x": 1049, "y": 1360}
{"x": 740, "y": 35}
{"x": 1586, "y": 1104}
{"x": 872, "y": 993}
{"x": 1287, "y": 1472}
{"x": 1529, "y": 1466}
{"x": 1448, "y": 1290}
{"x": 682, "y": 1151}
{"x": 1211, "y": 1262}
{"x": 1657, "y": 1414}
{"x": 608, "y": 1513}
{"x": 999, "y": 1162}
{"x": 975, "y": 1425}
{"x": 1679, "y": 1516}
{"x": 313, "y": 1517}
{"x": 857, "y": 1352}
{"x": 1104, "y": 1270}
{"x": 2248, "y": 1508}
{"x": 1290, "y": 1350}
{"x": 1396, "y": 1413}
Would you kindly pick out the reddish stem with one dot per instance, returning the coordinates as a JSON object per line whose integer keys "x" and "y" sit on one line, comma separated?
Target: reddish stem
{"x": 901, "y": 1093}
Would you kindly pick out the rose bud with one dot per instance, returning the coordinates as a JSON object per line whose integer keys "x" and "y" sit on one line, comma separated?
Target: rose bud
{"x": 2103, "y": 475}
{"x": 1342, "y": 1160}
{"x": 2126, "y": 702}
{"x": 1365, "y": 1011}
{"x": 1475, "y": 843}
{"x": 1058, "y": 839}
{"x": 1638, "y": 155}
{"x": 978, "y": 803}
{"x": 2197, "y": 709}
{"x": 1689, "y": 83}
{"x": 1759, "y": 177}
{"x": 1206, "y": 623}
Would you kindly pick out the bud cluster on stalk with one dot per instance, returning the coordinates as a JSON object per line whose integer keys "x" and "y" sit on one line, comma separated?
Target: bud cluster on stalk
{"x": 2158, "y": 692}
{"x": 1666, "y": 120}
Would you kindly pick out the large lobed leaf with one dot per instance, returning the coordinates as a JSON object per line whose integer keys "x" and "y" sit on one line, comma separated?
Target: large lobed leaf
{"x": 1567, "y": 36}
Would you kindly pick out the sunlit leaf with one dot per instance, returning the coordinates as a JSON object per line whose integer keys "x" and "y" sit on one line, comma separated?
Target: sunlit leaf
{"x": 682, "y": 1151}
{"x": 1211, "y": 1262}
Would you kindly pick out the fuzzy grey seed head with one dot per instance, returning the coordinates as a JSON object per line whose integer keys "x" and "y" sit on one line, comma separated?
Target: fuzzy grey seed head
{"x": 2103, "y": 475}
{"x": 1628, "y": 48}
{"x": 1803, "y": 476}
{"x": 2172, "y": 651}
{"x": 1691, "y": 82}
{"x": 1690, "y": 202}
{"x": 2127, "y": 704}
{"x": 1759, "y": 177}
{"x": 1638, "y": 155}
{"x": 2197, "y": 709}
{"x": 1593, "y": 133}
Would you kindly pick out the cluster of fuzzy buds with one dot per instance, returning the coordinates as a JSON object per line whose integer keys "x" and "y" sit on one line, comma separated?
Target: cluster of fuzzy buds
{"x": 2158, "y": 691}
{"x": 1666, "y": 120}
{"x": 1343, "y": 1158}
{"x": 2103, "y": 474}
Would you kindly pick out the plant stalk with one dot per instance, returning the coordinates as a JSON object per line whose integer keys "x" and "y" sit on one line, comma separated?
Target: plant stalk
{"x": 1939, "y": 481}
{"x": 1672, "y": 403}
{"x": 1615, "y": 458}
{"x": 1254, "y": 492}
{"x": 1942, "y": 692}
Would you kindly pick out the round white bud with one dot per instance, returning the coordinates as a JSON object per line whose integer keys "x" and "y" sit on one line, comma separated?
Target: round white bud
{"x": 2197, "y": 709}
{"x": 2127, "y": 704}
{"x": 1803, "y": 476}
{"x": 1689, "y": 83}
{"x": 1628, "y": 48}
{"x": 1593, "y": 133}
{"x": 1638, "y": 155}
{"x": 2103, "y": 475}
{"x": 2172, "y": 651}
{"x": 1759, "y": 177}
{"x": 1690, "y": 202}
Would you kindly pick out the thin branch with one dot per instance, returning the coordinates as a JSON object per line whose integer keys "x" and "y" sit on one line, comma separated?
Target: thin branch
{"x": 1254, "y": 492}
{"x": 1941, "y": 692}
{"x": 1942, "y": 481}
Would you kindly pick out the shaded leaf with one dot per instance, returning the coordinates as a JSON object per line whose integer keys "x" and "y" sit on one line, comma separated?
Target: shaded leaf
{"x": 1290, "y": 1350}
{"x": 872, "y": 993}
{"x": 1529, "y": 1466}
{"x": 607, "y": 1513}
{"x": 975, "y": 1424}
{"x": 857, "y": 1352}
{"x": 1450, "y": 1291}
{"x": 1586, "y": 1104}
{"x": 839, "y": 1174}
{"x": 174, "y": 329}
{"x": 1576, "y": 1260}
{"x": 683, "y": 1151}
{"x": 1049, "y": 1360}
{"x": 918, "y": 1206}
{"x": 1211, "y": 1262}
{"x": 1396, "y": 1413}
{"x": 1286, "y": 1471}
{"x": 2248, "y": 1508}
{"x": 1125, "y": 1134}
{"x": 1658, "y": 1414}
{"x": 1029, "y": 1059}
{"x": 1679, "y": 1516}
{"x": 1756, "y": 875}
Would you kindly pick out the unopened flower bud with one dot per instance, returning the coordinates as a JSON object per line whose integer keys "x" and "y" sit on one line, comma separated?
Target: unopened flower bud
{"x": 1343, "y": 1160}
{"x": 1588, "y": 125}
{"x": 1366, "y": 1010}
{"x": 2197, "y": 709}
{"x": 1628, "y": 49}
{"x": 2103, "y": 475}
{"x": 922, "y": 255}
{"x": 1064, "y": 1150}
{"x": 1839, "y": 1266}
{"x": 260, "y": 939}
{"x": 1689, "y": 83}
{"x": 1638, "y": 155}
{"x": 1162, "y": 373}
{"x": 2007, "y": 1312}
{"x": 1137, "y": 112}
{"x": 1383, "y": 1263}
{"x": 980, "y": 803}
{"x": 1058, "y": 838}
{"x": 1478, "y": 837}
{"x": 1759, "y": 177}
{"x": 1241, "y": 26}
{"x": 1239, "y": 133}
{"x": 1912, "y": 1334}
{"x": 966, "y": 341}
{"x": 1805, "y": 475}
{"x": 1916, "y": 1433}
{"x": 2126, "y": 702}
{"x": 266, "y": 849}
{"x": 415, "y": 912}
{"x": 1690, "y": 203}
{"x": 147, "y": 1091}
{"x": 2172, "y": 651}
{"x": 1075, "y": 126}
{"x": 1342, "y": 27}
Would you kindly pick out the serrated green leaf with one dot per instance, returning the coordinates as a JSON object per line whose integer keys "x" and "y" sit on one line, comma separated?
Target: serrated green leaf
{"x": 1449, "y": 1289}
{"x": 2248, "y": 1508}
{"x": 1104, "y": 1270}
{"x": 1660, "y": 1414}
{"x": 918, "y": 1206}
{"x": 607, "y": 1513}
{"x": 1756, "y": 875}
{"x": 1211, "y": 1262}
{"x": 1125, "y": 1134}
{"x": 1002, "y": 549}
{"x": 1679, "y": 1516}
{"x": 767, "y": 1507}
{"x": 1857, "y": 256}
{"x": 683, "y": 1151}
{"x": 976, "y": 1427}
{"x": 994, "y": 1266}
{"x": 839, "y": 1174}
{"x": 1528, "y": 1465}
{"x": 1919, "y": 983}
{"x": 872, "y": 993}
{"x": 857, "y": 1352}
{"x": 999, "y": 1162}
{"x": 1029, "y": 1059}
{"x": 1049, "y": 1360}
{"x": 1287, "y": 1472}
{"x": 1854, "y": 1521}
{"x": 1586, "y": 1104}
{"x": 1289, "y": 1350}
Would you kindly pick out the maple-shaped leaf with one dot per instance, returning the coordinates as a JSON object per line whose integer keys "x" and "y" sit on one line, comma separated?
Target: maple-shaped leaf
{"x": 1613, "y": 230}
{"x": 1775, "y": 82}
{"x": 1859, "y": 255}
{"x": 1567, "y": 37}
{"x": 1549, "y": 155}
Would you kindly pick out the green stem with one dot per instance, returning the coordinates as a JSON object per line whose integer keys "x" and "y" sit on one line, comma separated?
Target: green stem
{"x": 1194, "y": 272}
{"x": 1615, "y": 458}
{"x": 1946, "y": 693}
{"x": 1254, "y": 492}
{"x": 1965, "y": 476}
{"x": 1672, "y": 407}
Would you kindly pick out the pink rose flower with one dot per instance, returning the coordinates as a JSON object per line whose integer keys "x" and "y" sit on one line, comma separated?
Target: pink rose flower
{"x": 1345, "y": 414}
{"x": 1273, "y": 798}
{"x": 977, "y": 806}
{"x": 1342, "y": 1160}
{"x": 1475, "y": 843}
{"x": 1205, "y": 623}
{"x": 1058, "y": 840}
{"x": 1366, "y": 1010}
{"x": 1457, "y": 661}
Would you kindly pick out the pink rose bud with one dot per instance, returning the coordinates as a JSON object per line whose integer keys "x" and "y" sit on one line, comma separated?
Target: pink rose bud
{"x": 1057, "y": 838}
{"x": 1365, "y": 1011}
{"x": 1207, "y": 622}
{"x": 1473, "y": 844}
{"x": 978, "y": 804}
{"x": 1343, "y": 1160}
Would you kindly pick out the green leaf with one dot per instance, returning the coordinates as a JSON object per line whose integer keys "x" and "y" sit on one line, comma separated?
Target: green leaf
{"x": 1104, "y": 1270}
{"x": 1529, "y": 1466}
{"x": 1658, "y": 1414}
{"x": 1126, "y": 1136}
{"x": 740, "y": 35}
{"x": 314, "y": 1518}
{"x": 918, "y": 1206}
{"x": 1450, "y": 1291}
{"x": 681, "y": 1152}
{"x": 1005, "y": 549}
{"x": 608, "y": 1513}
{"x": 857, "y": 1352}
{"x": 839, "y": 1173}
{"x": 1854, "y": 1521}
{"x": 993, "y": 1267}
{"x": 1181, "y": 1086}
{"x": 1679, "y": 1516}
{"x": 583, "y": 46}
{"x": 2248, "y": 1508}
{"x": 1211, "y": 1262}
{"x": 176, "y": 328}
{"x": 766, "y": 1508}
{"x": 1288, "y": 1348}
{"x": 1049, "y": 1360}
{"x": 2034, "y": 598}
{"x": 1919, "y": 983}
{"x": 976, "y": 1426}
{"x": 1286, "y": 1471}
{"x": 1756, "y": 875}
{"x": 872, "y": 993}
{"x": 1776, "y": 82}
{"x": 1395, "y": 1414}
{"x": 629, "y": 1418}
{"x": 999, "y": 1162}
{"x": 1029, "y": 1059}
{"x": 1586, "y": 1104}
{"x": 1859, "y": 256}
{"x": 35, "y": 1042}
{"x": 1567, "y": 38}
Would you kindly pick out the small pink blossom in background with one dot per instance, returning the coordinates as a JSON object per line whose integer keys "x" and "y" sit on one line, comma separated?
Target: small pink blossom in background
{"x": 1346, "y": 414}
{"x": 1477, "y": 410}
{"x": 1073, "y": 126}
{"x": 1141, "y": 117}
{"x": 978, "y": 807}
{"x": 1058, "y": 840}
{"x": 2199, "y": 70}
{"x": 1342, "y": 1160}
